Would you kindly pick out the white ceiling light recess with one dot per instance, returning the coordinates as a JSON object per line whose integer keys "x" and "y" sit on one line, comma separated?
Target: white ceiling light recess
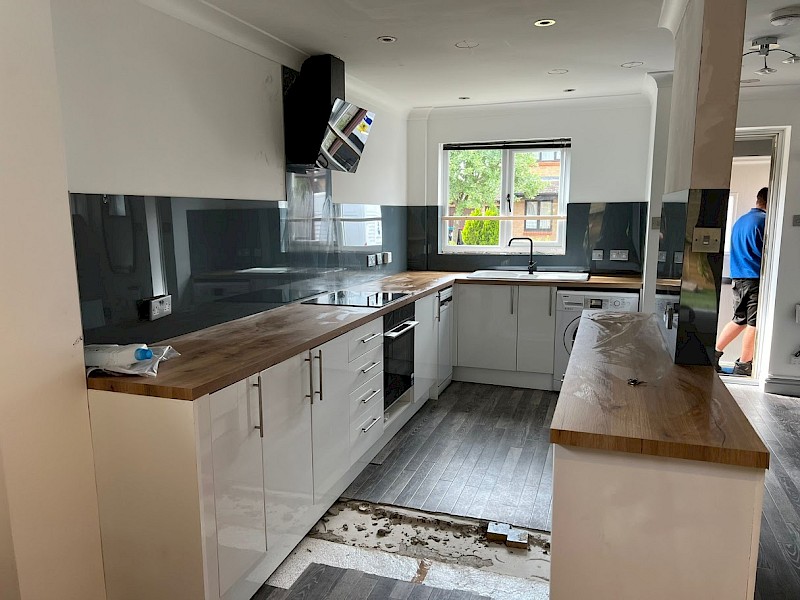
{"x": 544, "y": 23}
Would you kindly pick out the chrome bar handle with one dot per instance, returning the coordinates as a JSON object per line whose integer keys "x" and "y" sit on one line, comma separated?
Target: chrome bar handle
{"x": 371, "y": 425}
{"x": 511, "y": 289}
{"x": 260, "y": 425}
{"x": 310, "y": 394}
{"x": 370, "y": 397}
{"x": 320, "y": 375}
{"x": 369, "y": 368}
{"x": 368, "y": 339}
{"x": 550, "y": 303}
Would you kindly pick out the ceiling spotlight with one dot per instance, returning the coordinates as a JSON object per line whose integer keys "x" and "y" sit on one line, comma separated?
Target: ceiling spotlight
{"x": 463, "y": 97}
{"x": 791, "y": 59}
{"x": 746, "y": 81}
{"x": 545, "y": 22}
{"x": 632, "y": 64}
{"x": 766, "y": 70}
{"x": 464, "y": 44}
{"x": 569, "y": 90}
{"x": 558, "y": 71}
{"x": 785, "y": 16}
{"x": 387, "y": 39}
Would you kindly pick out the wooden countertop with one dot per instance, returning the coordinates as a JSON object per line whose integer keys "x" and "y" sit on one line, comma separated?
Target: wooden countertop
{"x": 679, "y": 412}
{"x": 218, "y": 356}
{"x": 609, "y": 282}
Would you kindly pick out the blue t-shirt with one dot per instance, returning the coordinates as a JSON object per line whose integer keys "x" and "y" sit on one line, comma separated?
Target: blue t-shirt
{"x": 747, "y": 243}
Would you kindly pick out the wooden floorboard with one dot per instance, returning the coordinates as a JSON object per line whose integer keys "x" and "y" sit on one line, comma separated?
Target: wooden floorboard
{"x": 477, "y": 451}
{"x": 777, "y": 420}
{"x": 323, "y": 582}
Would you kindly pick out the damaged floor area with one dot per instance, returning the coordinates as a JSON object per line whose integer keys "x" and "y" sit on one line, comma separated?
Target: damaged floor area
{"x": 441, "y": 551}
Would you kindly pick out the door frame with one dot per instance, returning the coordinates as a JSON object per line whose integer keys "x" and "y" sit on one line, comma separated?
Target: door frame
{"x": 777, "y": 193}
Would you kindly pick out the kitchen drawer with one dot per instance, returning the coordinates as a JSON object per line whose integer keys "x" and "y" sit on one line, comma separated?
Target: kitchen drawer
{"x": 365, "y": 431}
{"x": 365, "y": 338}
{"x": 365, "y": 397}
{"x": 366, "y": 367}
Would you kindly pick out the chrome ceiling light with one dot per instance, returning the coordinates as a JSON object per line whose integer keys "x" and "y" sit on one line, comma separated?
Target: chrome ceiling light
{"x": 763, "y": 46}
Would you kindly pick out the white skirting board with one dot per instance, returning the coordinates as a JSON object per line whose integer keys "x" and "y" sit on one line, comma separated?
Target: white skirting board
{"x": 783, "y": 386}
{"x": 629, "y": 526}
{"x": 533, "y": 381}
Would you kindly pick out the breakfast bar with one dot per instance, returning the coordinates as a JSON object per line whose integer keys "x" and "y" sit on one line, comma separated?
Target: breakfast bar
{"x": 658, "y": 475}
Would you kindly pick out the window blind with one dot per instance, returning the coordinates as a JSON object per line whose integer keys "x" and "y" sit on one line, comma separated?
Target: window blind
{"x": 512, "y": 145}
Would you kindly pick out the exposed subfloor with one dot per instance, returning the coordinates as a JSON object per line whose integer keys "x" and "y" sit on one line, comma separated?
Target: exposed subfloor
{"x": 777, "y": 420}
{"x": 478, "y": 451}
{"x": 323, "y": 582}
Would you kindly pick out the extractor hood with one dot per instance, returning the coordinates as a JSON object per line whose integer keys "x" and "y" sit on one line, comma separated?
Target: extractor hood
{"x": 321, "y": 129}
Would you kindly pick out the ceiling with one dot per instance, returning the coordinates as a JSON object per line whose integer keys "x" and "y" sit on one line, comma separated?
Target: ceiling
{"x": 758, "y": 25}
{"x": 590, "y": 39}
{"x": 424, "y": 68}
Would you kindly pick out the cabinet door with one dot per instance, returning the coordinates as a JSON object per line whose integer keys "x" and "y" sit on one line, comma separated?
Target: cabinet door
{"x": 330, "y": 417}
{"x": 288, "y": 475}
{"x": 536, "y": 330}
{"x": 445, "y": 357}
{"x": 487, "y": 326}
{"x": 425, "y": 346}
{"x": 238, "y": 481}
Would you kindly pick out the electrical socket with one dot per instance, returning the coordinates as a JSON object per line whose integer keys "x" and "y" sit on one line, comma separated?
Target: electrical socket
{"x": 371, "y": 260}
{"x": 597, "y": 255}
{"x": 794, "y": 359}
{"x": 387, "y": 257}
{"x": 154, "y": 308}
{"x": 379, "y": 259}
{"x": 618, "y": 255}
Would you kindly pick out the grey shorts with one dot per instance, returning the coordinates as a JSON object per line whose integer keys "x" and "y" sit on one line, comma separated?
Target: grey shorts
{"x": 745, "y": 301}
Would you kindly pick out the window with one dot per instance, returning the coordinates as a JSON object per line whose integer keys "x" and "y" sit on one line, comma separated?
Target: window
{"x": 490, "y": 191}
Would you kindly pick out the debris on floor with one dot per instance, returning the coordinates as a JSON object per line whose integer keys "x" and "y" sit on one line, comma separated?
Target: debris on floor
{"x": 441, "y": 538}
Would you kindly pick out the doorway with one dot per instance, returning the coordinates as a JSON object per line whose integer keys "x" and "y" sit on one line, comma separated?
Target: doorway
{"x": 756, "y": 164}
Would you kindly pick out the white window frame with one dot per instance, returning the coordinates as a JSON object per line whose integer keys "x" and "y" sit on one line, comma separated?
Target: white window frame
{"x": 505, "y": 218}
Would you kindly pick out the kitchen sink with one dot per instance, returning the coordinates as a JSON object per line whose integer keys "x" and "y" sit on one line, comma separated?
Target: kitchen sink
{"x": 525, "y": 276}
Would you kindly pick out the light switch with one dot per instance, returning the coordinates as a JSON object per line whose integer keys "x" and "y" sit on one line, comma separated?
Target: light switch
{"x": 662, "y": 256}
{"x": 706, "y": 239}
{"x": 655, "y": 223}
{"x": 678, "y": 258}
{"x": 597, "y": 255}
{"x": 795, "y": 220}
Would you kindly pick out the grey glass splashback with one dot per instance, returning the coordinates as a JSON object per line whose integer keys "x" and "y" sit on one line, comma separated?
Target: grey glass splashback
{"x": 220, "y": 259}
{"x": 590, "y": 227}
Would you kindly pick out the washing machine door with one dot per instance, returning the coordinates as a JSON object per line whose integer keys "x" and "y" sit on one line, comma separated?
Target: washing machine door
{"x": 570, "y": 331}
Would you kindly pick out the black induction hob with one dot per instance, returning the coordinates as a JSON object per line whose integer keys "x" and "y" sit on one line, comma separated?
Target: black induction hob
{"x": 363, "y": 299}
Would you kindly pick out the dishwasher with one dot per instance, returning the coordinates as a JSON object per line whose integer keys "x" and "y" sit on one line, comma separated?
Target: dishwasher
{"x": 445, "y": 317}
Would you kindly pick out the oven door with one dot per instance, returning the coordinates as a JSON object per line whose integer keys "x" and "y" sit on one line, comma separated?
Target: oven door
{"x": 398, "y": 357}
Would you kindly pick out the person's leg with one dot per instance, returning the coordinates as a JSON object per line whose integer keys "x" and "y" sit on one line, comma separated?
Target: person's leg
{"x": 748, "y": 344}
{"x": 729, "y": 333}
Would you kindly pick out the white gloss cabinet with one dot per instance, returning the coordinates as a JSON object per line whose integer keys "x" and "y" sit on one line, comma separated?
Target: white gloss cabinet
{"x": 425, "y": 347}
{"x": 238, "y": 481}
{"x": 536, "y": 329}
{"x": 487, "y": 326}
{"x": 286, "y": 449}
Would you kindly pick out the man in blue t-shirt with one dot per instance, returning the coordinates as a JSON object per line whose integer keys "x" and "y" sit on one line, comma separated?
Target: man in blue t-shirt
{"x": 747, "y": 244}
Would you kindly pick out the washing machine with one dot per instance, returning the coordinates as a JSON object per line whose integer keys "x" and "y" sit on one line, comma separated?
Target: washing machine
{"x": 569, "y": 306}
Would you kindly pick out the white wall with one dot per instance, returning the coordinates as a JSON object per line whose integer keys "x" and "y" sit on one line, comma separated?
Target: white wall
{"x": 777, "y": 106}
{"x": 44, "y": 422}
{"x": 154, "y": 106}
{"x": 381, "y": 174}
{"x": 610, "y": 142}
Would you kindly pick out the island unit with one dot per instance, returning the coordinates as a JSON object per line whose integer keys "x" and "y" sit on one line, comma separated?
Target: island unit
{"x": 658, "y": 476}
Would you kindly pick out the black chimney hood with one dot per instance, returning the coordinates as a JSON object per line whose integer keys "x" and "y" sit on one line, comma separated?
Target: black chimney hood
{"x": 321, "y": 129}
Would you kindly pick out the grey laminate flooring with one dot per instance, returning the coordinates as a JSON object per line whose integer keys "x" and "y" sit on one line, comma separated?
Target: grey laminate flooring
{"x": 321, "y": 582}
{"x": 478, "y": 451}
{"x": 777, "y": 420}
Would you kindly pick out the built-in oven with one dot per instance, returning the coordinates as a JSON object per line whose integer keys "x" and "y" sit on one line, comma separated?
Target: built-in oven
{"x": 398, "y": 353}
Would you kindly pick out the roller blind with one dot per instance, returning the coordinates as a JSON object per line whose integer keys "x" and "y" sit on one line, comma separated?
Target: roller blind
{"x": 513, "y": 145}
